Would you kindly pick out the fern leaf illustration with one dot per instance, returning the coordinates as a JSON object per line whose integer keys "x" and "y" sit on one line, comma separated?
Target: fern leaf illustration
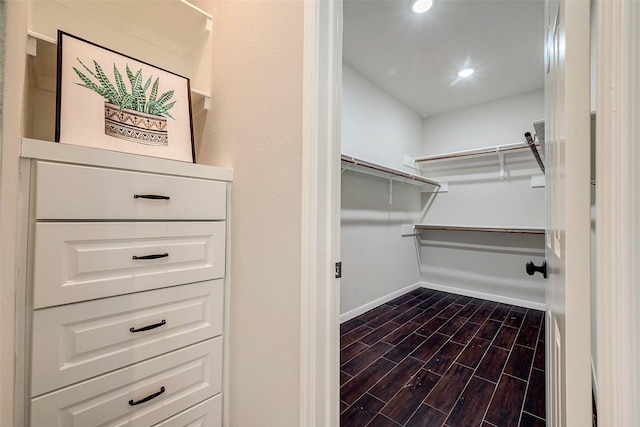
{"x": 154, "y": 90}
{"x": 142, "y": 94}
{"x": 152, "y": 107}
{"x": 130, "y": 75}
{"x": 152, "y": 96}
{"x": 165, "y": 110}
{"x": 91, "y": 85}
{"x": 169, "y": 105}
{"x": 119, "y": 82}
{"x": 160, "y": 110}
{"x": 146, "y": 85}
{"x": 118, "y": 95}
{"x": 136, "y": 90}
{"x": 127, "y": 102}
{"x": 165, "y": 97}
{"x": 110, "y": 90}
{"x": 87, "y": 82}
{"x": 87, "y": 68}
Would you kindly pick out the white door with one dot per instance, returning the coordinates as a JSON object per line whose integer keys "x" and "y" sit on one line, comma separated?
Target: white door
{"x": 567, "y": 153}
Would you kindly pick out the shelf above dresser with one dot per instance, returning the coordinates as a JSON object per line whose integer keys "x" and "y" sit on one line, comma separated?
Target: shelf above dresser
{"x": 139, "y": 29}
{"x": 58, "y": 152}
{"x": 173, "y": 35}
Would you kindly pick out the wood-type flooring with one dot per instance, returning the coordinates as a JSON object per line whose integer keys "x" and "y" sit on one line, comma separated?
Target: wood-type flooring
{"x": 430, "y": 358}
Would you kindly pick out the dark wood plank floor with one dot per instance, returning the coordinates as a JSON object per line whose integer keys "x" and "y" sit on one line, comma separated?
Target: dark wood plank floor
{"x": 430, "y": 358}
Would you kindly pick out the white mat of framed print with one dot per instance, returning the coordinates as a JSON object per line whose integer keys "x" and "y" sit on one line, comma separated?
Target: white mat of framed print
{"x": 111, "y": 101}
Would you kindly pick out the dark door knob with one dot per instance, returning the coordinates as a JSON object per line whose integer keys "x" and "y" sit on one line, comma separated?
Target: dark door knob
{"x": 532, "y": 268}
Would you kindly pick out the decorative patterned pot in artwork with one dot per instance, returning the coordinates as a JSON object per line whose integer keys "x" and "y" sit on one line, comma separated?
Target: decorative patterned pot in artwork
{"x": 135, "y": 126}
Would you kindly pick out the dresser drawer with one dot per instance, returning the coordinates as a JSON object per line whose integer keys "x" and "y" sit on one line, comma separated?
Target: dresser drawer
{"x": 77, "y": 341}
{"x": 205, "y": 414}
{"x": 82, "y": 261}
{"x": 178, "y": 380}
{"x": 100, "y": 194}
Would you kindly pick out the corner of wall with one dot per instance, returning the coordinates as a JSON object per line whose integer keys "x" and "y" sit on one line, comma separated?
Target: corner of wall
{"x": 12, "y": 89}
{"x": 255, "y": 127}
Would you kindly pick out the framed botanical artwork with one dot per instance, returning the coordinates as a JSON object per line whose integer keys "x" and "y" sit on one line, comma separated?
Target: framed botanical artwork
{"x": 112, "y": 101}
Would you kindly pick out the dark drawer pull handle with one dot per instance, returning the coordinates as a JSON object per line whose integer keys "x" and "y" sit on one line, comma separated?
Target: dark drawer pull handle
{"x": 148, "y": 398}
{"x": 147, "y": 328}
{"x": 150, "y": 196}
{"x": 154, "y": 256}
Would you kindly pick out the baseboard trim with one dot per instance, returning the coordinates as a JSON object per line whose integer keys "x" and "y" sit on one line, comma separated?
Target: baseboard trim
{"x": 373, "y": 304}
{"x": 491, "y": 297}
{"x": 445, "y": 288}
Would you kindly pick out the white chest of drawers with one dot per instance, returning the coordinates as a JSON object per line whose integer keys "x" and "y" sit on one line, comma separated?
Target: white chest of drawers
{"x": 124, "y": 289}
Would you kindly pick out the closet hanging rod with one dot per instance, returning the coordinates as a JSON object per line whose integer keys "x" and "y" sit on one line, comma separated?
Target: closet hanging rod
{"x": 395, "y": 172}
{"x": 534, "y": 150}
{"x": 489, "y": 229}
{"x": 474, "y": 152}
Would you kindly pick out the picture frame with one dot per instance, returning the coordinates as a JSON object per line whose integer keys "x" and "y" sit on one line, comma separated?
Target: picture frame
{"x": 112, "y": 101}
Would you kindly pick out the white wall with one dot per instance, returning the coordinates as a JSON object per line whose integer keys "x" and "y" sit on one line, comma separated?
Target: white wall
{"x": 255, "y": 126}
{"x": 476, "y": 195}
{"x": 489, "y": 263}
{"x": 491, "y": 202}
{"x": 376, "y": 126}
{"x": 500, "y": 122}
{"x": 485, "y": 265}
{"x": 377, "y": 261}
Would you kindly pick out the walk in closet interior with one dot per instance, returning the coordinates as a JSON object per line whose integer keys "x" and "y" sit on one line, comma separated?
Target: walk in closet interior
{"x": 466, "y": 208}
{"x": 443, "y": 206}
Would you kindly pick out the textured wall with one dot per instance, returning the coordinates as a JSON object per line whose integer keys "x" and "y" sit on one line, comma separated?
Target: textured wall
{"x": 255, "y": 127}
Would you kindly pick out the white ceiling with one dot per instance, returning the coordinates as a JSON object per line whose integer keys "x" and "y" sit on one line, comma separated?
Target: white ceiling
{"x": 416, "y": 58}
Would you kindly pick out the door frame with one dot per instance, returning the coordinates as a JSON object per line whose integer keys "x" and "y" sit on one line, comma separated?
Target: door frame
{"x": 617, "y": 207}
{"x": 617, "y": 211}
{"x": 320, "y": 216}
{"x": 568, "y": 342}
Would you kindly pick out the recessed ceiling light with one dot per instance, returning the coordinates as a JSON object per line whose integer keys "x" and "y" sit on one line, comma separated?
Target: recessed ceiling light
{"x": 421, "y": 6}
{"x": 466, "y": 72}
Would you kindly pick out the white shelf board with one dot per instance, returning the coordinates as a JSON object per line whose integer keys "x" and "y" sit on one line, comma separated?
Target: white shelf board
{"x": 487, "y": 163}
{"x": 173, "y": 25}
{"x": 370, "y": 168}
{"x": 170, "y": 34}
{"x": 480, "y": 228}
{"x": 485, "y": 151}
{"x": 68, "y": 153}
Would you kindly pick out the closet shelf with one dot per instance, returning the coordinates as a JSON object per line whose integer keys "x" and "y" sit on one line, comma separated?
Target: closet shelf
{"x": 370, "y": 168}
{"x": 444, "y": 160}
{"x": 488, "y": 229}
{"x": 475, "y": 152}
